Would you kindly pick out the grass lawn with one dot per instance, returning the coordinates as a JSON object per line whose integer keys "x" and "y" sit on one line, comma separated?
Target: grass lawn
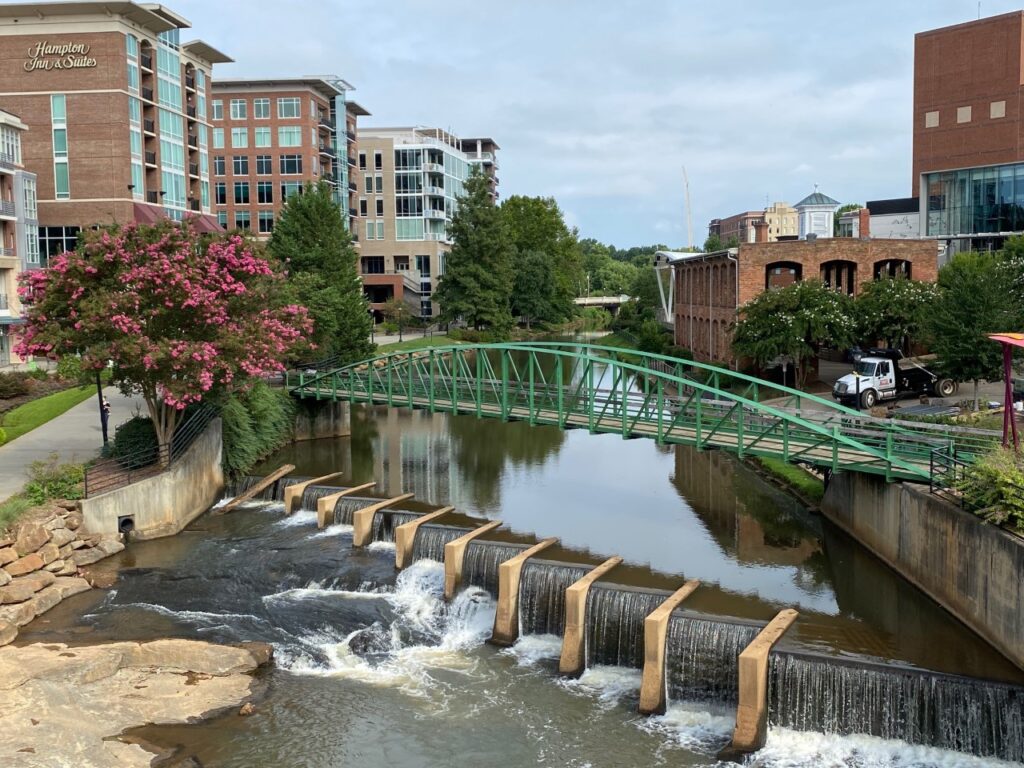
{"x": 420, "y": 342}
{"x": 797, "y": 477}
{"x": 27, "y": 417}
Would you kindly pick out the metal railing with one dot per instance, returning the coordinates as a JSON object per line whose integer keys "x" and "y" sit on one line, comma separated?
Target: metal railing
{"x": 7, "y": 208}
{"x": 110, "y": 474}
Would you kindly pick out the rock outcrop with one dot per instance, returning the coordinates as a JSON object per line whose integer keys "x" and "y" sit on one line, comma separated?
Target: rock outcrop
{"x": 62, "y": 705}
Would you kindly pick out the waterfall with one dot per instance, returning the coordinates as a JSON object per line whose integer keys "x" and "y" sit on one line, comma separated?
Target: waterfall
{"x": 314, "y": 493}
{"x": 386, "y": 520}
{"x": 811, "y": 693}
{"x": 542, "y": 596}
{"x": 274, "y": 492}
{"x": 430, "y": 541}
{"x": 615, "y": 624}
{"x": 346, "y": 506}
{"x": 702, "y": 657}
{"x": 481, "y": 560}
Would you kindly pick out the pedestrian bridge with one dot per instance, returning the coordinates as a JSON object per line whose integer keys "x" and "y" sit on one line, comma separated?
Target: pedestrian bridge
{"x": 638, "y": 394}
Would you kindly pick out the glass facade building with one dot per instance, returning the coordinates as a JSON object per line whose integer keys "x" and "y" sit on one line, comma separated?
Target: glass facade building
{"x": 982, "y": 200}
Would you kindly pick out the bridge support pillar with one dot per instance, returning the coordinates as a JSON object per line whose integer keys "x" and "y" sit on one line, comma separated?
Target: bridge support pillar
{"x": 506, "y": 618}
{"x": 573, "y": 660}
{"x": 652, "y": 683}
{"x": 455, "y": 553}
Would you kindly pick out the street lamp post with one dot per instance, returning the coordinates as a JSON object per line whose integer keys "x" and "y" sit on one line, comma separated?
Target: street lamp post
{"x": 373, "y": 323}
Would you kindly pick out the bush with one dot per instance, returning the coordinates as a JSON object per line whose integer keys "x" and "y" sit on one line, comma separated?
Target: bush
{"x": 993, "y": 488}
{"x": 70, "y": 369}
{"x": 255, "y": 424}
{"x": 653, "y": 338}
{"x": 3, "y": 436}
{"x": 12, "y": 509}
{"x": 13, "y": 385}
{"x": 50, "y": 480}
{"x": 390, "y": 328}
{"x": 475, "y": 337}
{"x": 135, "y": 443}
{"x": 38, "y": 374}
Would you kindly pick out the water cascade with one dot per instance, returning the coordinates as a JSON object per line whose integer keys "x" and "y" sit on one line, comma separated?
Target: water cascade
{"x": 386, "y": 520}
{"x": 814, "y": 693}
{"x": 314, "y": 493}
{"x": 480, "y": 566}
{"x": 615, "y": 624}
{"x": 430, "y": 541}
{"x": 274, "y": 492}
{"x": 542, "y": 596}
{"x": 702, "y": 657}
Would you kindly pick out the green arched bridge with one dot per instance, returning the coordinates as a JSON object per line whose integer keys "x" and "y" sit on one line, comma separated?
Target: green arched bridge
{"x": 637, "y": 394}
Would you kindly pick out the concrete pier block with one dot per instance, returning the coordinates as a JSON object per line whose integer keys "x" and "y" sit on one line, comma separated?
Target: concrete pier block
{"x": 653, "y": 698}
{"x": 506, "y": 618}
{"x": 455, "y": 552}
{"x": 325, "y": 504}
{"x": 573, "y": 660}
{"x": 266, "y": 482}
{"x": 293, "y": 493}
{"x": 405, "y": 536}
{"x": 362, "y": 520}
{"x": 752, "y": 710}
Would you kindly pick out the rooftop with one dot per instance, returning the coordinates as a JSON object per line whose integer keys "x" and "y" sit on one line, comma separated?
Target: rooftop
{"x": 326, "y": 88}
{"x": 152, "y": 16}
{"x": 817, "y": 198}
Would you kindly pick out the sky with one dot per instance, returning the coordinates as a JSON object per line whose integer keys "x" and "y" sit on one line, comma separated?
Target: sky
{"x": 601, "y": 105}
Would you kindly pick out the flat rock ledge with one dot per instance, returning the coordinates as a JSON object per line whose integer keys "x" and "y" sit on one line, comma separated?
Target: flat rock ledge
{"x": 65, "y": 706}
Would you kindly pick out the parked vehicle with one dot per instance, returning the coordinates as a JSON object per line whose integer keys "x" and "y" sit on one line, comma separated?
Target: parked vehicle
{"x": 885, "y": 374}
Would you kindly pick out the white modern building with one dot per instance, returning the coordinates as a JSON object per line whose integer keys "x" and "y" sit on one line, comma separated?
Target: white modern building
{"x": 816, "y": 215}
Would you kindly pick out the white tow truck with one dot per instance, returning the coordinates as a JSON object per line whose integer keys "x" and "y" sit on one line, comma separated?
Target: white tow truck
{"x": 885, "y": 374}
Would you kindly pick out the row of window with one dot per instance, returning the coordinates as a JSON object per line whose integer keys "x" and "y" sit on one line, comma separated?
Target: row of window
{"x": 264, "y": 192}
{"x": 59, "y": 126}
{"x": 364, "y": 207}
{"x": 996, "y": 110}
{"x": 243, "y": 220}
{"x": 287, "y": 136}
{"x": 288, "y": 107}
{"x": 290, "y": 165}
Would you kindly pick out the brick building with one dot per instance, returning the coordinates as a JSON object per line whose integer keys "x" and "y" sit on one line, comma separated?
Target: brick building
{"x": 19, "y": 229}
{"x": 116, "y": 107}
{"x": 709, "y": 288}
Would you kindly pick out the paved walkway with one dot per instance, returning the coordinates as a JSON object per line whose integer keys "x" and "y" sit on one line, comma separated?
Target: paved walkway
{"x": 73, "y": 436}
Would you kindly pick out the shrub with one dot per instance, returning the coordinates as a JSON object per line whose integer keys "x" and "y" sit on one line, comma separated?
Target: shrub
{"x": 473, "y": 336}
{"x": 13, "y": 385}
{"x": 241, "y": 447}
{"x": 3, "y": 436}
{"x": 49, "y": 479}
{"x": 12, "y": 509}
{"x": 993, "y": 488}
{"x": 652, "y": 338}
{"x": 70, "y": 369}
{"x": 390, "y": 328}
{"x": 135, "y": 443}
{"x": 38, "y": 374}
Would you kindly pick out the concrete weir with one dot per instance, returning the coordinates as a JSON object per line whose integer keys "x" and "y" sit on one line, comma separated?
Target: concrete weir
{"x": 266, "y": 482}
{"x": 405, "y": 536}
{"x": 573, "y": 659}
{"x": 362, "y": 519}
{"x": 752, "y": 710}
{"x": 455, "y": 553}
{"x": 506, "y": 618}
{"x": 293, "y": 493}
{"x": 325, "y": 504}
{"x": 653, "y": 699}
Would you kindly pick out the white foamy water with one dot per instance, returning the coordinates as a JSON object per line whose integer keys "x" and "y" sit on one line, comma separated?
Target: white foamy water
{"x": 338, "y": 529}
{"x": 381, "y": 546}
{"x": 610, "y": 685}
{"x": 529, "y": 650}
{"x": 698, "y": 727}
{"x": 301, "y": 517}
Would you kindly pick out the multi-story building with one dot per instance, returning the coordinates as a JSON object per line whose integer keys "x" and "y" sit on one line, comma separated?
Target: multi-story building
{"x": 19, "y": 228}
{"x": 408, "y": 181}
{"x": 816, "y": 215}
{"x": 483, "y": 153}
{"x": 782, "y": 222}
{"x": 272, "y": 138}
{"x": 116, "y": 107}
{"x": 968, "y": 164}
{"x": 738, "y": 228}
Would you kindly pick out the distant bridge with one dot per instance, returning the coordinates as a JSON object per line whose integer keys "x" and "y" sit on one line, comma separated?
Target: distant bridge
{"x": 637, "y": 394}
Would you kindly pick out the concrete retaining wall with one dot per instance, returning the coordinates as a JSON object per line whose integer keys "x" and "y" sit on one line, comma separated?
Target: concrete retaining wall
{"x": 315, "y": 420}
{"x": 973, "y": 569}
{"x": 164, "y": 504}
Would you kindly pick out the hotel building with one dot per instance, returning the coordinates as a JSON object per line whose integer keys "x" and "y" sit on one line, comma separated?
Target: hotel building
{"x": 19, "y": 228}
{"x": 273, "y": 138}
{"x": 117, "y": 110}
{"x": 408, "y": 180}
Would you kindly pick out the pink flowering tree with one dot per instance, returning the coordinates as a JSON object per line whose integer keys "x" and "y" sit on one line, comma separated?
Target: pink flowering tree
{"x": 175, "y": 315}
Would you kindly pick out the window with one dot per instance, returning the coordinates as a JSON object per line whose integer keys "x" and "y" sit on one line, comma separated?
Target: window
{"x": 401, "y": 263}
{"x": 371, "y": 234}
{"x": 220, "y": 193}
{"x": 264, "y": 192}
{"x": 243, "y": 220}
{"x": 218, "y": 109}
{"x": 62, "y": 180}
{"x": 931, "y": 119}
{"x": 240, "y": 138}
{"x": 261, "y": 109}
{"x": 288, "y": 107}
{"x": 380, "y": 206}
{"x": 222, "y": 218}
{"x": 289, "y": 136}
{"x": 240, "y": 165}
{"x": 261, "y": 137}
{"x": 218, "y": 165}
{"x": 362, "y": 206}
{"x": 289, "y": 188}
{"x": 241, "y": 193}
{"x": 291, "y": 164}
{"x": 378, "y": 161}
{"x": 312, "y": 108}
{"x": 997, "y": 109}
{"x": 362, "y": 161}
{"x": 131, "y": 46}
{"x": 369, "y": 184}
{"x": 373, "y": 265}
{"x": 31, "y": 206}
{"x": 60, "y": 142}
{"x": 58, "y": 108}
{"x": 218, "y": 138}
{"x": 264, "y": 165}
{"x": 380, "y": 230}
{"x": 266, "y": 221}
{"x": 380, "y": 183}
{"x": 423, "y": 265}
{"x": 239, "y": 110}
{"x": 963, "y": 114}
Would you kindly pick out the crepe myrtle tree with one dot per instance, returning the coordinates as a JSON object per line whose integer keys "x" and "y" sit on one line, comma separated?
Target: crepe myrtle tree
{"x": 174, "y": 314}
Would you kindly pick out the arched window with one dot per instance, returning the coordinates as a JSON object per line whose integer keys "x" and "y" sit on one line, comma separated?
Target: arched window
{"x": 840, "y": 275}
{"x": 892, "y": 268}
{"x": 779, "y": 274}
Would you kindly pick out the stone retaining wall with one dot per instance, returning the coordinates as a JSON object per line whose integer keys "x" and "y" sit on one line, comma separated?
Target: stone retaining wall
{"x": 39, "y": 565}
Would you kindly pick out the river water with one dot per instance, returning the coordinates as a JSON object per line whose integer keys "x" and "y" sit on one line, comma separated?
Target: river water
{"x": 373, "y": 669}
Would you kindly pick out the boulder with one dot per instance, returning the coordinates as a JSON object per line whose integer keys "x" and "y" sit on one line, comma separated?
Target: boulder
{"x": 19, "y": 614}
{"x": 263, "y": 653}
{"x": 47, "y": 599}
{"x": 190, "y": 655}
{"x": 110, "y": 546}
{"x": 31, "y": 537}
{"x": 65, "y": 551}
{"x": 87, "y": 556}
{"x": 70, "y": 585}
{"x": 49, "y": 552}
{"x": 5, "y": 578}
{"x": 37, "y": 579}
{"x": 18, "y": 591}
{"x": 55, "y": 523}
{"x": 24, "y": 565}
{"x": 6, "y": 539}
{"x": 62, "y": 537}
{"x": 8, "y": 555}
{"x": 55, "y": 566}
{"x": 77, "y": 544}
{"x": 247, "y": 709}
{"x": 69, "y": 569}
{"x": 70, "y": 506}
{"x": 73, "y": 521}
{"x": 8, "y": 632}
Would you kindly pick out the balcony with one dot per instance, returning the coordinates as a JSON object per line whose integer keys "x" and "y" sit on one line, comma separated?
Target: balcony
{"x": 190, "y": 82}
{"x": 433, "y": 168}
{"x": 326, "y": 149}
{"x": 353, "y": 213}
{"x": 432, "y": 189}
{"x": 149, "y": 126}
{"x": 326, "y": 123}
{"x": 351, "y": 135}
{"x": 352, "y": 160}
{"x": 7, "y": 209}
{"x": 193, "y": 141}
{"x": 193, "y": 169}
{"x": 147, "y": 94}
{"x": 434, "y": 213}
{"x": 435, "y": 236}
{"x": 146, "y": 62}
{"x": 152, "y": 197}
{"x": 193, "y": 204}
{"x": 8, "y": 162}
{"x": 191, "y": 112}
{"x": 151, "y": 158}
{"x": 353, "y": 187}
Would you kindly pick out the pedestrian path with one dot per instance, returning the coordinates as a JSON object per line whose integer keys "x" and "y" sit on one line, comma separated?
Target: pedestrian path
{"x": 74, "y": 436}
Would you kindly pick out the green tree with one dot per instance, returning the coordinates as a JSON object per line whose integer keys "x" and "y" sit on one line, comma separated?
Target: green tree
{"x": 713, "y": 243}
{"x": 734, "y": 242}
{"x": 535, "y": 224}
{"x": 974, "y": 301}
{"x": 534, "y": 289}
{"x": 477, "y": 283}
{"x": 311, "y": 239}
{"x": 397, "y": 312}
{"x": 895, "y": 310}
{"x": 793, "y": 323}
{"x": 843, "y": 209}
{"x": 1013, "y": 264}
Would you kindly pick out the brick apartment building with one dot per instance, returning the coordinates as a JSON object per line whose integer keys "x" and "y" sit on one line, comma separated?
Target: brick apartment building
{"x": 709, "y": 288}
{"x": 272, "y": 138}
{"x": 19, "y": 229}
{"x": 116, "y": 109}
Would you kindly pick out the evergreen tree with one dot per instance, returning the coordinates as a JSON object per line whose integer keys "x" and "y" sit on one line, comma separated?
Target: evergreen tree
{"x": 477, "y": 281}
{"x": 311, "y": 239}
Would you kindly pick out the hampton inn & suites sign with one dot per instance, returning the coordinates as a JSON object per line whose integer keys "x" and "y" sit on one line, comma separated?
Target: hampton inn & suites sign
{"x": 48, "y": 56}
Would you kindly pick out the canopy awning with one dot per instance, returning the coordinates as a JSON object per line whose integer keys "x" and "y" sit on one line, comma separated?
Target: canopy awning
{"x": 1013, "y": 339}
